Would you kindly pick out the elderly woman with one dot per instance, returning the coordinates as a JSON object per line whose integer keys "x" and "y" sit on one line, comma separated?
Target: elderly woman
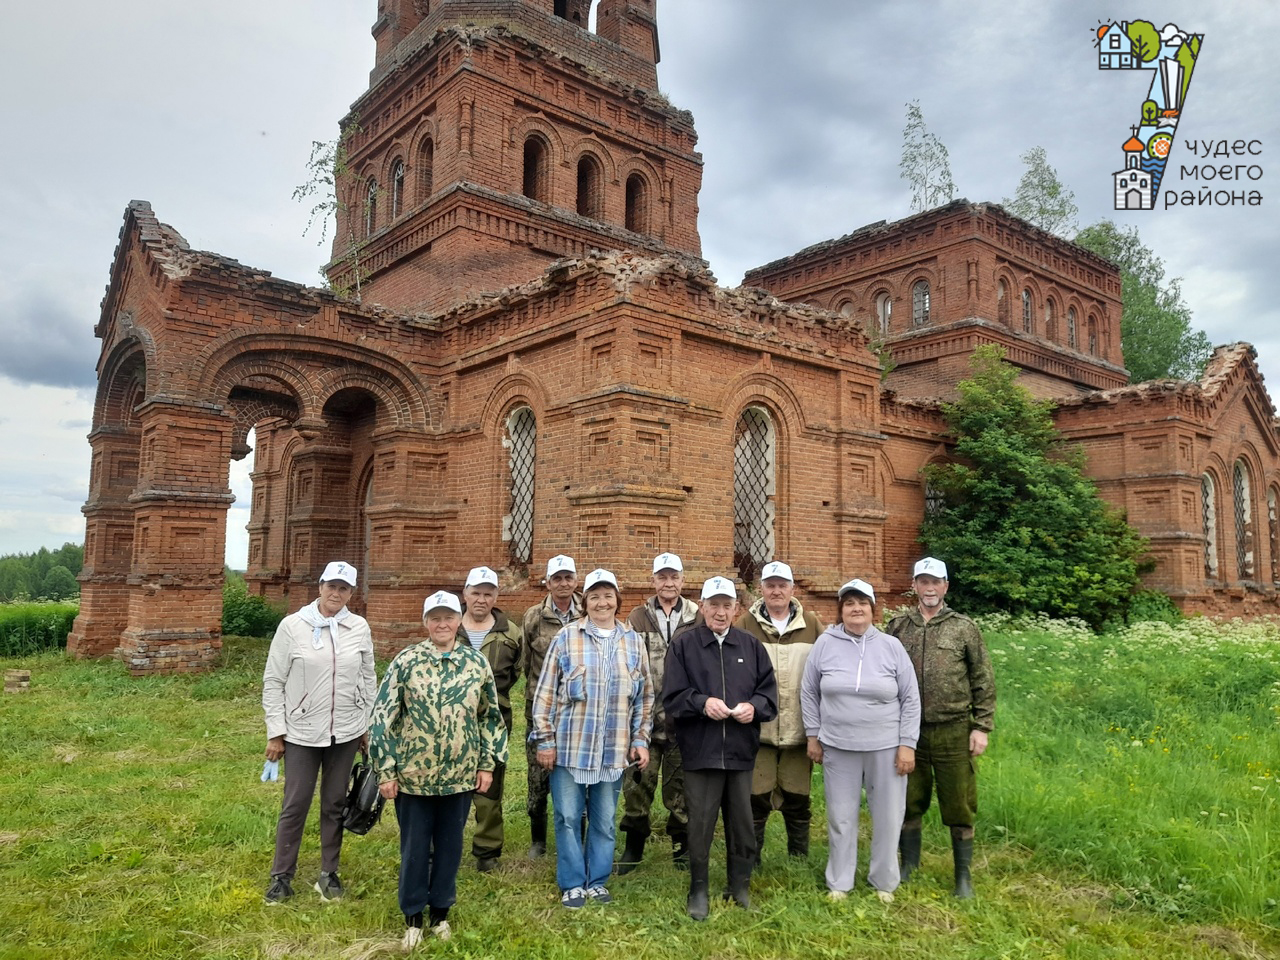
{"x": 437, "y": 736}
{"x": 317, "y": 690}
{"x": 862, "y": 717}
{"x": 592, "y": 711}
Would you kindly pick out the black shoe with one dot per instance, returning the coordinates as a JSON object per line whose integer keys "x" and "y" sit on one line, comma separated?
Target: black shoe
{"x": 329, "y": 887}
{"x": 909, "y": 848}
{"x": 633, "y": 852}
{"x": 537, "y": 849}
{"x": 962, "y": 851}
{"x": 697, "y": 904}
{"x": 486, "y": 864}
{"x": 279, "y": 891}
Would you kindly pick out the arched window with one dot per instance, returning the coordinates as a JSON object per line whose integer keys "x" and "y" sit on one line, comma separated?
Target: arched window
{"x": 637, "y": 204}
{"x": 370, "y": 207}
{"x": 1028, "y": 325}
{"x": 590, "y": 190}
{"x": 933, "y": 502}
{"x": 920, "y": 303}
{"x": 1244, "y": 519}
{"x": 535, "y": 170}
{"x": 1071, "y": 327}
{"x": 1002, "y": 302}
{"x": 754, "y": 487}
{"x": 1050, "y": 317}
{"x": 884, "y": 312}
{"x": 1273, "y": 532}
{"x": 1093, "y": 336}
{"x": 397, "y": 189}
{"x": 426, "y": 169}
{"x": 521, "y": 442}
{"x": 1209, "y": 516}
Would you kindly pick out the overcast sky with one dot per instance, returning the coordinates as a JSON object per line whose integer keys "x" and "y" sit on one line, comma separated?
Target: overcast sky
{"x": 208, "y": 112}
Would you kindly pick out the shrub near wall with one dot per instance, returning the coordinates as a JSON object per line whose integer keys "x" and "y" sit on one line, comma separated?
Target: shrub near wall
{"x": 245, "y": 614}
{"x": 34, "y": 626}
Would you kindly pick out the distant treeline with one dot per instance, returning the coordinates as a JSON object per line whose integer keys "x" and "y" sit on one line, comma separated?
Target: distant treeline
{"x": 46, "y": 574}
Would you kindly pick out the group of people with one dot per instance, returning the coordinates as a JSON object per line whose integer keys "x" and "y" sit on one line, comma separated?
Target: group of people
{"x": 726, "y": 710}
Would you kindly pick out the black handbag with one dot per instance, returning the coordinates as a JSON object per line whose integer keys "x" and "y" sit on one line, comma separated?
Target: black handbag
{"x": 363, "y": 808}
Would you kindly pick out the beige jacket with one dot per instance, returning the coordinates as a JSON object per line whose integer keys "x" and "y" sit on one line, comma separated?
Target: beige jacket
{"x": 789, "y": 652}
{"x": 316, "y": 697}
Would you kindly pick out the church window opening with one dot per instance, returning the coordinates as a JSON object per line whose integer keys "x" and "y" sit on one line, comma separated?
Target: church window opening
{"x": 426, "y": 171}
{"x": 920, "y": 303}
{"x": 371, "y": 207}
{"x": 754, "y": 488}
{"x": 535, "y": 169}
{"x": 1028, "y": 325}
{"x": 521, "y": 444}
{"x": 933, "y": 501}
{"x": 884, "y": 311}
{"x": 590, "y": 199}
{"x": 397, "y": 189}
{"x": 1071, "y": 327}
{"x": 1273, "y": 532}
{"x": 1209, "y": 520}
{"x": 637, "y": 204}
{"x": 1002, "y": 302}
{"x": 1093, "y": 336}
{"x": 1244, "y": 520}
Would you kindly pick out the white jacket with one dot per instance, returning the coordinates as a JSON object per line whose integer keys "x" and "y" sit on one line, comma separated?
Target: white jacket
{"x": 316, "y": 697}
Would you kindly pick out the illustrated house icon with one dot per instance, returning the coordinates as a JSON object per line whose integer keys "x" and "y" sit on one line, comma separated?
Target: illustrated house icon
{"x": 1115, "y": 49}
{"x": 1132, "y": 190}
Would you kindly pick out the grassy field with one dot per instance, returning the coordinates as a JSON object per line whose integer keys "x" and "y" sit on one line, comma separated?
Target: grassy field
{"x": 1129, "y": 810}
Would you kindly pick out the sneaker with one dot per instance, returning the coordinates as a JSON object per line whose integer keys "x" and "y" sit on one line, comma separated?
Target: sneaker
{"x": 441, "y": 930}
{"x": 412, "y": 937}
{"x": 279, "y": 891}
{"x": 835, "y": 896}
{"x": 600, "y": 894}
{"x": 329, "y": 887}
{"x": 574, "y": 898}
{"x": 884, "y": 896}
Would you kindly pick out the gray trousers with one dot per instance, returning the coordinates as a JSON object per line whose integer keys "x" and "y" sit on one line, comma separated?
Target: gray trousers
{"x": 844, "y": 774}
{"x": 301, "y": 767}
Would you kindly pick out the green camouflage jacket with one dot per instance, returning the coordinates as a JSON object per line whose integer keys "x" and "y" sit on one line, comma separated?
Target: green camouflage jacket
{"x": 436, "y": 721}
{"x": 540, "y": 627}
{"x": 503, "y": 647}
{"x": 952, "y": 665}
{"x": 644, "y": 621}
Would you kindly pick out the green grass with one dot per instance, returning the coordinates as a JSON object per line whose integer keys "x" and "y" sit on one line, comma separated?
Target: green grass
{"x": 134, "y": 825}
{"x": 29, "y": 626}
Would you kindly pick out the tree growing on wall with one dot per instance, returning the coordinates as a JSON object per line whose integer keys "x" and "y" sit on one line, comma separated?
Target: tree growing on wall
{"x": 925, "y": 164}
{"x": 1156, "y": 335}
{"x": 333, "y": 189}
{"x": 1041, "y": 198}
{"x": 1021, "y": 526}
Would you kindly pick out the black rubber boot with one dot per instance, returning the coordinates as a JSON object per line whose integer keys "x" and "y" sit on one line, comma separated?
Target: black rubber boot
{"x": 761, "y": 807}
{"x": 698, "y": 904}
{"x": 909, "y": 850}
{"x": 632, "y": 852}
{"x": 962, "y": 851}
{"x": 739, "y": 888}
{"x": 538, "y": 837}
{"x": 796, "y": 816}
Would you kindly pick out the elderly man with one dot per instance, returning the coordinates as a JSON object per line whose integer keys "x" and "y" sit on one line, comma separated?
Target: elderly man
{"x": 958, "y": 699}
{"x": 718, "y": 688}
{"x": 658, "y": 621}
{"x": 783, "y": 768}
{"x": 561, "y": 606}
{"x": 487, "y": 629}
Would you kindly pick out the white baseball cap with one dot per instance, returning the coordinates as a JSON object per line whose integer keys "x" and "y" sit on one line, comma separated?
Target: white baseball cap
{"x": 338, "y": 570}
{"x": 560, "y": 564}
{"x": 719, "y": 587}
{"x": 441, "y": 598}
{"x": 930, "y": 567}
{"x": 667, "y": 561}
{"x": 858, "y": 586}
{"x": 776, "y": 568}
{"x": 597, "y": 577}
{"x": 479, "y": 575}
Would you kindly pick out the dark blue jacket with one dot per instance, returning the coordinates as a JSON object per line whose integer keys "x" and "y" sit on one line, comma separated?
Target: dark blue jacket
{"x": 698, "y": 667}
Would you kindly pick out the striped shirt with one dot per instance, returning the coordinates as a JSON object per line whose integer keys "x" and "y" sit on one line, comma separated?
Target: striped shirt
{"x": 594, "y": 700}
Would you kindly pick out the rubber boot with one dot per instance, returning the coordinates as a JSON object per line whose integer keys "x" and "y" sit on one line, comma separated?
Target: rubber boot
{"x": 538, "y": 837}
{"x": 739, "y": 888}
{"x": 632, "y": 852}
{"x": 909, "y": 850}
{"x": 698, "y": 904}
{"x": 962, "y": 852}
{"x": 761, "y": 807}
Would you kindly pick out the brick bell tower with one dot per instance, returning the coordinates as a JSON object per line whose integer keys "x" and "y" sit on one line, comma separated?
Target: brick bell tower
{"x": 500, "y": 135}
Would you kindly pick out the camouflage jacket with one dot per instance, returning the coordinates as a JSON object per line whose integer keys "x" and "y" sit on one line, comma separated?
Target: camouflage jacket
{"x": 644, "y": 621}
{"x": 540, "y": 627}
{"x": 953, "y": 667}
{"x": 788, "y": 651}
{"x": 436, "y": 721}
{"x": 503, "y": 647}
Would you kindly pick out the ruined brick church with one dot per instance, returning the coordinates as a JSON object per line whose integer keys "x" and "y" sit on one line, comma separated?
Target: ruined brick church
{"x": 538, "y": 361}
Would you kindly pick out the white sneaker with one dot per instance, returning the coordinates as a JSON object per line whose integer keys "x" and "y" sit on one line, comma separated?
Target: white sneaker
{"x": 441, "y": 930}
{"x": 884, "y": 896}
{"x": 412, "y": 937}
{"x": 837, "y": 895}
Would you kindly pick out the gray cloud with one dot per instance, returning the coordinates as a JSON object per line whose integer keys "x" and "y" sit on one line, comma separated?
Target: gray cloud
{"x": 46, "y": 341}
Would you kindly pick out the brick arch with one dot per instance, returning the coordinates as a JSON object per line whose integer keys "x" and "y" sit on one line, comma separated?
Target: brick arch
{"x": 770, "y": 391}
{"x": 1012, "y": 292}
{"x": 1071, "y": 302}
{"x": 642, "y": 166}
{"x": 393, "y": 398}
{"x": 914, "y": 276}
{"x": 537, "y": 125}
{"x": 426, "y": 129}
{"x": 251, "y": 411}
{"x": 1038, "y": 300}
{"x": 124, "y": 374}
{"x": 520, "y": 385}
{"x": 422, "y": 186}
{"x": 601, "y": 153}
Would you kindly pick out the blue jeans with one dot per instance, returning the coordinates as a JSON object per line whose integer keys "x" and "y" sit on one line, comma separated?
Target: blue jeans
{"x": 574, "y": 868}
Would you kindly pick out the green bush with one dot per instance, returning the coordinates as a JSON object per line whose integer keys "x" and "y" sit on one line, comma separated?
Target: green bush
{"x": 34, "y": 626}
{"x": 244, "y": 614}
{"x": 1152, "y": 606}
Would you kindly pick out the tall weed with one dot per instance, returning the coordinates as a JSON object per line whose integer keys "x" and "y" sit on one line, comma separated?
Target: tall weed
{"x": 32, "y": 626}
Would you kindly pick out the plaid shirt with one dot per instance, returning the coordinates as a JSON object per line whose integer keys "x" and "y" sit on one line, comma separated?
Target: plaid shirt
{"x": 594, "y": 701}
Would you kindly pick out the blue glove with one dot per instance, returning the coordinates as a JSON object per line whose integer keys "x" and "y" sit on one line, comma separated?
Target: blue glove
{"x": 270, "y": 770}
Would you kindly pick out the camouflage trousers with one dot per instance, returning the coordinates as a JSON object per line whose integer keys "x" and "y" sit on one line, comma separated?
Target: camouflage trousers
{"x": 639, "y": 787}
{"x": 942, "y": 758}
{"x": 539, "y": 783}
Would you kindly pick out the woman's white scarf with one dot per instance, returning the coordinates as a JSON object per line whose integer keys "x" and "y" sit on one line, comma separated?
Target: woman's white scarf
{"x": 318, "y": 621}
